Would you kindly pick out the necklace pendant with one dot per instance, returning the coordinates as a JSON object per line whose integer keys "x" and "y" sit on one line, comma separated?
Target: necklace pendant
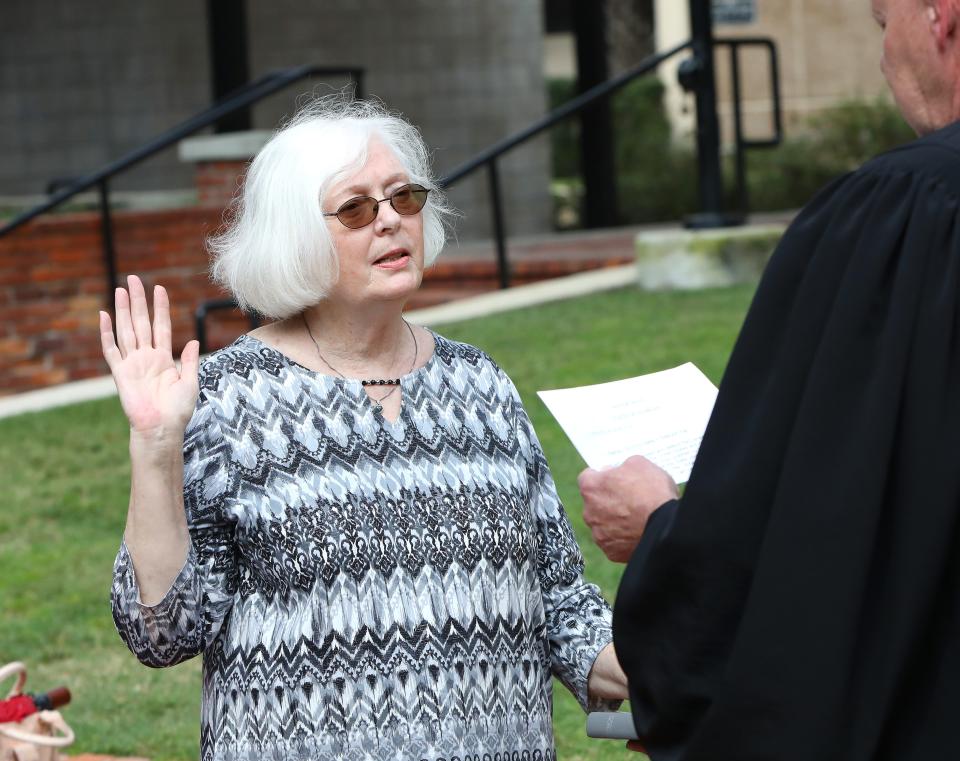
{"x": 378, "y": 408}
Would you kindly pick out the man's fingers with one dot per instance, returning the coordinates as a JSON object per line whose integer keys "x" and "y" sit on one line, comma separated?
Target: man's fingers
{"x": 140, "y": 313}
{"x": 107, "y": 343}
{"x": 586, "y": 478}
{"x": 635, "y": 745}
{"x": 126, "y": 339}
{"x": 162, "y": 332}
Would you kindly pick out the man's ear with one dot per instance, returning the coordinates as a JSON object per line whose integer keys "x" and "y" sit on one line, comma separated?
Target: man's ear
{"x": 944, "y": 20}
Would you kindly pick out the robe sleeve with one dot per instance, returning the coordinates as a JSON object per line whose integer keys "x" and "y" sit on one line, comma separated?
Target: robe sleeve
{"x": 789, "y": 605}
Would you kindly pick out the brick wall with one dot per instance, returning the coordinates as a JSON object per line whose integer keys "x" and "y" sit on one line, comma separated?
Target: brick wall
{"x": 217, "y": 182}
{"x": 53, "y": 279}
{"x": 53, "y": 283}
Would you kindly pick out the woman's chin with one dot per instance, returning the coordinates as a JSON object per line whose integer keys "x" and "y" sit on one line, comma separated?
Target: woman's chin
{"x": 400, "y": 286}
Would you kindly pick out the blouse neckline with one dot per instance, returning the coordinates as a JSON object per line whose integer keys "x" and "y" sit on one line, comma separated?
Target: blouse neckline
{"x": 352, "y": 383}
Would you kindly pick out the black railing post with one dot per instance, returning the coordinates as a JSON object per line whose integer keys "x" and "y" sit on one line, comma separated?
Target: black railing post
{"x": 201, "y": 313}
{"x": 357, "y": 77}
{"x": 739, "y": 157}
{"x": 229, "y": 58}
{"x": 503, "y": 267}
{"x": 598, "y": 166}
{"x": 106, "y": 234}
{"x": 200, "y": 326}
{"x": 708, "y": 124}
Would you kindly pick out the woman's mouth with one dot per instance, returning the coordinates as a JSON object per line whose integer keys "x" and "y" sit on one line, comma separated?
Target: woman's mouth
{"x": 396, "y": 259}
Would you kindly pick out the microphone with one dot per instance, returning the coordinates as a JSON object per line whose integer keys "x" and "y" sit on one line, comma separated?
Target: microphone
{"x": 611, "y": 725}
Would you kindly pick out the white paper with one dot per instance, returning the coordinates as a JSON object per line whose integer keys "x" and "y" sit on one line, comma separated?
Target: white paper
{"x": 661, "y": 416}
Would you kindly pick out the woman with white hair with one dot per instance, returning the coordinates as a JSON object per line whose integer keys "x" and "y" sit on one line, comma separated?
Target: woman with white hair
{"x": 349, "y": 516}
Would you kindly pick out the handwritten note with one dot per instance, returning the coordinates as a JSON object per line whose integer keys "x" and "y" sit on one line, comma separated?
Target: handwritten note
{"x": 661, "y": 416}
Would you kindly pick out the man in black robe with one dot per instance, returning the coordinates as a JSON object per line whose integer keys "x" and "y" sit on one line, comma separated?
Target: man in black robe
{"x": 801, "y": 602}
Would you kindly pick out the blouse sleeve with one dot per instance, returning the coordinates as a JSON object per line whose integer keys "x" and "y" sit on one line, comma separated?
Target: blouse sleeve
{"x": 188, "y": 618}
{"x": 578, "y": 618}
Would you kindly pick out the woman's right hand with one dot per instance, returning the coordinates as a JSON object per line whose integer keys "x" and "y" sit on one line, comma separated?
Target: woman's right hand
{"x": 157, "y": 397}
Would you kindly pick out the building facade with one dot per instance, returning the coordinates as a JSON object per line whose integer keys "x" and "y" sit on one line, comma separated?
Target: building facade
{"x": 84, "y": 83}
{"x": 829, "y": 52}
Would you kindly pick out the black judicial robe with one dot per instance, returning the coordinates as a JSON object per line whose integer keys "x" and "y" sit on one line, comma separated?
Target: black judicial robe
{"x": 801, "y": 602}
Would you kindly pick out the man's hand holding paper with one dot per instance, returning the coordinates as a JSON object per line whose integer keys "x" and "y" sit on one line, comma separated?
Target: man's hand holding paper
{"x": 640, "y": 438}
{"x": 618, "y": 501}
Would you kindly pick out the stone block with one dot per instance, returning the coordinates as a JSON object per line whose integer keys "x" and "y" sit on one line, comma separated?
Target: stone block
{"x": 679, "y": 259}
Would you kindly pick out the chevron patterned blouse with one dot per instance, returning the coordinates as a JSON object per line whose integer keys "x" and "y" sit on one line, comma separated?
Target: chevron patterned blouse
{"x": 362, "y": 589}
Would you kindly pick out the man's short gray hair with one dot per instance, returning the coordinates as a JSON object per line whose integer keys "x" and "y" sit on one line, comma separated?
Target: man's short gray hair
{"x": 276, "y": 255}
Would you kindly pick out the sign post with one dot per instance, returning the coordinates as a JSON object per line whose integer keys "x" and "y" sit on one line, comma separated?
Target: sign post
{"x": 697, "y": 74}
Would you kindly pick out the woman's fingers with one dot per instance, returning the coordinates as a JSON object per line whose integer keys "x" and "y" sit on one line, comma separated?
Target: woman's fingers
{"x": 126, "y": 339}
{"x": 140, "y": 313}
{"x": 162, "y": 337}
{"x": 110, "y": 351}
{"x": 190, "y": 360}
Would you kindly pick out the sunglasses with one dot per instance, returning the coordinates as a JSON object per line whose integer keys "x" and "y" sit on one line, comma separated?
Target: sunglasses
{"x": 361, "y": 211}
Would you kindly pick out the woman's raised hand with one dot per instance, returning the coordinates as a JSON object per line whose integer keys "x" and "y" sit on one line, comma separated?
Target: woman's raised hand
{"x": 157, "y": 397}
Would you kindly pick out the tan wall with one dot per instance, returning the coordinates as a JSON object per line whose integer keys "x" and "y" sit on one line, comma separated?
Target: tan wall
{"x": 829, "y": 51}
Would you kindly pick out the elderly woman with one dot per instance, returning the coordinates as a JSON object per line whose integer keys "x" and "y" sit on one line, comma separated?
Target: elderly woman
{"x": 349, "y": 516}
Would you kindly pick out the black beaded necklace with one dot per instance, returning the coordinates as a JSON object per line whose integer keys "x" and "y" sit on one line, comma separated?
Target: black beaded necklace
{"x": 394, "y": 382}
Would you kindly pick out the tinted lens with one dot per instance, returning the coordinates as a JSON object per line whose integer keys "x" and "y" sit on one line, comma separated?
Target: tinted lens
{"x": 358, "y": 211}
{"x": 409, "y": 199}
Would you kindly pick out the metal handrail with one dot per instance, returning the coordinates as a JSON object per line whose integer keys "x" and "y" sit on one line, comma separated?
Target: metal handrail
{"x": 742, "y": 143}
{"x": 241, "y": 98}
{"x": 572, "y": 106}
{"x": 489, "y": 156}
{"x": 271, "y": 83}
{"x": 246, "y": 96}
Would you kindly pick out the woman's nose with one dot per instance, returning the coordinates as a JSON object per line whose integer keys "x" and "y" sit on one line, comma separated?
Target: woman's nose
{"x": 387, "y": 217}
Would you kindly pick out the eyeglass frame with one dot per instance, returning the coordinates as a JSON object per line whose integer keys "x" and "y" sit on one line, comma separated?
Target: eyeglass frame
{"x": 376, "y": 210}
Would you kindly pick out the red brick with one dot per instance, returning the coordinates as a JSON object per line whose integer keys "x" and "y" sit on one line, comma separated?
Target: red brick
{"x": 12, "y": 349}
{"x": 29, "y": 311}
{"x": 65, "y": 323}
{"x": 39, "y": 373}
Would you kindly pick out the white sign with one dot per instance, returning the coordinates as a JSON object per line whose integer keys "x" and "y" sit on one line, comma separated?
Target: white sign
{"x": 734, "y": 11}
{"x": 661, "y": 416}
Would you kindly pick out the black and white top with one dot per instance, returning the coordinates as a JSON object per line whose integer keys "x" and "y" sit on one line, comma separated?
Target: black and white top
{"x": 362, "y": 589}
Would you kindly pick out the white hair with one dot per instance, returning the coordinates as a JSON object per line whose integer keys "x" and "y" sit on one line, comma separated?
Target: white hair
{"x": 276, "y": 255}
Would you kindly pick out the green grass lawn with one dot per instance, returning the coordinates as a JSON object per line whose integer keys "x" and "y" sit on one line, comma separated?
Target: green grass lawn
{"x": 66, "y": 481}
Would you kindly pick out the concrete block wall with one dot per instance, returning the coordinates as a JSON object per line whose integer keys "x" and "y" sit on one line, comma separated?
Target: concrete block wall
{"x": 467, "y": 73}
{"x": 81, "y": 84}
